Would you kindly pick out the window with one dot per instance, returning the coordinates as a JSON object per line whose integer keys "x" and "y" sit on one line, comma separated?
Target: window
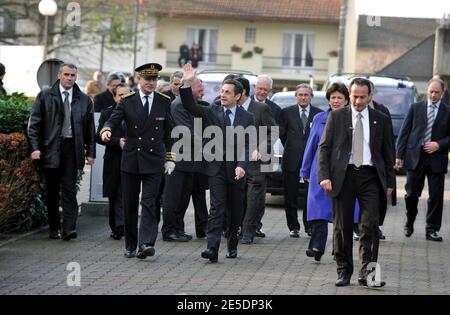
{"x": 7, "y": 25}
{"x": 121, "y": 32}
{"x": 2, "y": 24}
{"x": 250, "y": 35}
{"x": 298, "y": 49}
{"x": 207, "y": 39}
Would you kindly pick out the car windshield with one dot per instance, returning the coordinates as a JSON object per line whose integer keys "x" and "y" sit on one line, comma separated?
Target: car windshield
{"x": 397, "y": 100}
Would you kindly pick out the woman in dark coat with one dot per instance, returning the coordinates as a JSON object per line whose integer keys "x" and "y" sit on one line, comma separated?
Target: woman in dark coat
{"x": 111, "y": 166}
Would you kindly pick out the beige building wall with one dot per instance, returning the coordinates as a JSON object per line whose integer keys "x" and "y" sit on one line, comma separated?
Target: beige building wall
{"x": 351, "y": 38}
{"x": 269, "y": 35}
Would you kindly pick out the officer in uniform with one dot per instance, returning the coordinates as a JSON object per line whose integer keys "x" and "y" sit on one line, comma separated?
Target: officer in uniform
{"x": 146, "y": 153}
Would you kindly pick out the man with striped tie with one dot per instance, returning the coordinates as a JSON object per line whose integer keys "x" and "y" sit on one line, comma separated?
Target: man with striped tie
{"x": 422, "y": 148}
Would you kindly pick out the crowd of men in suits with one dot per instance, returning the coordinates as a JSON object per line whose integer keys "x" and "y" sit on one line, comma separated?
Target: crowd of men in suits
{"x": 355, "y": 160}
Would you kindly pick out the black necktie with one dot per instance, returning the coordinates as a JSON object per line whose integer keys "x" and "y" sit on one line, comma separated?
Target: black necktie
{"x": 227, "y": 117}
{"x": 146, "y": 105}
{"x": 66, "y": 123}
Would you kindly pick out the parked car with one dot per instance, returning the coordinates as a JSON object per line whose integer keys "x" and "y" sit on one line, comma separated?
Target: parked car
{"x": 286, "y": 99}
{"x": 212, "y": 81}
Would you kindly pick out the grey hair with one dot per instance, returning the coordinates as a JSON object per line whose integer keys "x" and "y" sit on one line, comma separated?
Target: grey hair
{"x": 438, "y": 80}
{"x": 69, "y": 65}
{"x": 264, "y": 78}
{"x": 176, "y": 74}
{"x": 111, "y": 77}
{"x": 304, "y": 86}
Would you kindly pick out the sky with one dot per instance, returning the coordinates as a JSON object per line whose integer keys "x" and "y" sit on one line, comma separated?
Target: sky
{"x": 404, "y": 8}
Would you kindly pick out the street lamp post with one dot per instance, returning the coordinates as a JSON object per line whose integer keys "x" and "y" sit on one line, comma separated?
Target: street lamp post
{"x": 47, "y": 8}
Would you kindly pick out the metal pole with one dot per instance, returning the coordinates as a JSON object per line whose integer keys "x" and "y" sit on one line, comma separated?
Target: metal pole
{"x": 136, "y": 21}
{"x": 342, "y": 29}
{"x": 45, "y": 37}
{"x": 102, "y": 49}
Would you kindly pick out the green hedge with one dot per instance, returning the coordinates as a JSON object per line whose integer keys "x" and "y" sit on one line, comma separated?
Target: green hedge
{"x": 14, "y": 113}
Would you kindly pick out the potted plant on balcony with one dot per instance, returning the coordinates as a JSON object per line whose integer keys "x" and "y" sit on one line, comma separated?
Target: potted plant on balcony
{"x": 247, "y": 54}
{"x": 236, "y": 48}
{"x": 258, "y": 50}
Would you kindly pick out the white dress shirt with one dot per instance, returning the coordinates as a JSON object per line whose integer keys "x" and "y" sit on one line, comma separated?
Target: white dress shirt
{"x": 150, "y": 100}
{"x": 246, "y": 104}
{"x": 367, "y": 158}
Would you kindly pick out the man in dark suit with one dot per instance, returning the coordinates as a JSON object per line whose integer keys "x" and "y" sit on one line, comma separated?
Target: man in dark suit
{"x": 263, "y": 87}
{"x": 256, "y": 180}
{"x": 294, "y": 132}
{"x": 105, "y": 99}
{"x": 422, "y": 149}
{"x": 112, "y": 187}
{"x": 355, "y": 161}
{"x": 179, "y": 184}
{"x": 228, "y": 163}
{"x": 145, "y": 154}
{"x": 61, "y": 133}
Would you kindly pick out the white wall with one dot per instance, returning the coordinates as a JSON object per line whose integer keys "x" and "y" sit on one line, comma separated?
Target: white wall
{"x": 22, "y": 64}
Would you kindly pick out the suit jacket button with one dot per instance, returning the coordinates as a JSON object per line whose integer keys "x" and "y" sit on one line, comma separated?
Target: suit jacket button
{"x": 151, "y": 150}
{"x": 135, "y": 127}
{"x": 140, "y": 138}
{"x": 156, "y": 128}
{"x": 139, "y": 149}
{"x": 153, "y": 139}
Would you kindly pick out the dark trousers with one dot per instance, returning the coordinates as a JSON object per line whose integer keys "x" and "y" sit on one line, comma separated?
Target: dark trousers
{"x": 148, "y": 228}
{"x": 200, "y": 207}
{"x": 177, "y": 192}
{"x": 291, "y": 183}
{"x": 159, "y": 199}
{"x": 256, "y": 203}
{"x": 226, "y": 196}
{"x": 116, "y": 210}
{"x": 415, "y": 181}
{"x": 364, "y": 185}
{"x": 319, "y": 235}
{"x": 63, "y": 179}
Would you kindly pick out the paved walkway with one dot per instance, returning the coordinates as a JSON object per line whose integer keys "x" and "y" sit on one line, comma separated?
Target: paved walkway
{"x": 276, "y": 264}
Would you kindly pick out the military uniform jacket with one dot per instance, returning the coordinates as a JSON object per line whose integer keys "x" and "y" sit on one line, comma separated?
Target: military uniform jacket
{"x": 147, "y": 137}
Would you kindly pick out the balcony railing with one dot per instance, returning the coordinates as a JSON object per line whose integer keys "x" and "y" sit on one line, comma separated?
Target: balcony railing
{"x": 261, "y": 64}
{"x": 217, "y": 61}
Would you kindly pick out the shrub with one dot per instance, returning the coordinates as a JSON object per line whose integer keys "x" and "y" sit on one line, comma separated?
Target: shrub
{"x": 258, "y": 50}
{"x": 236, "y": 48}
{"x": 247, "y": 54}
{"x": 21, "y": 204}
{"x": 14, "y": 113}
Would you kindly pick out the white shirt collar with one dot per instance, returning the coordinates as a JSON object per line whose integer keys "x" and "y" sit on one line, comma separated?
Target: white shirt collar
{"x": 307, "y": 108}
{"x": 233, "y": 109}
{"x": 62, "y": 89}
{"x": 246, "y": 104}
{"x": 364, "y": 113}
{"x": 142, "y": 95}
{"x": 437, "y": 104}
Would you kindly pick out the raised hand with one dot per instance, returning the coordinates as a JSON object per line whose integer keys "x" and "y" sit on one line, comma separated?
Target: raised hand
{"x": 189, "y": 75}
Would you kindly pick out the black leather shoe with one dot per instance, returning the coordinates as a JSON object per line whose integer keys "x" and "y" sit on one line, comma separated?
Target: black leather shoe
{"x": 294, "y": 233}
{"x": 260, "y": 233}
{"x": 342, "y": 281}
{"x": 201, "y": 235}
{"x": 314, "y": 253}
{"x": 66, "y": 236}
{"x": 381, "y": 235}
{"x": 211, "y": 254}
{"x": 130, "y": 254}
{"x": 187, "y": 236}
{"x": 232, "y": 254}
{"x": 408, "y": 231}
{"x": 247, "y": 240}
{"x": 434, "y": 237}
{"x": 54, "y": 235}
{"x": 175, "y": 238}
{"x": 145, "y": 251}
{"x": 363, "y": 282}
{"x": 309, "y": 232}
